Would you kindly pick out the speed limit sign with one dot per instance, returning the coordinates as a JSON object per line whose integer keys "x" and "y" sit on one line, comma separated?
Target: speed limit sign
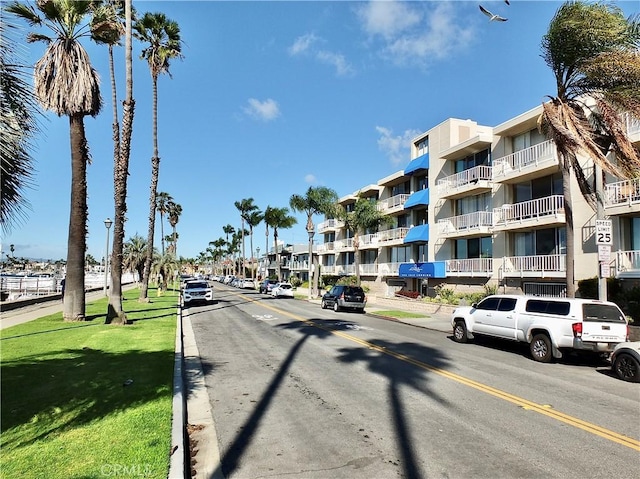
{"x": 604, "y": 232}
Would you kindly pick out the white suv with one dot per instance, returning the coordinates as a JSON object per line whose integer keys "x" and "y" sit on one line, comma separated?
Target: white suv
{"x": 198, "y": 290}
{"x": 548, "y": 325}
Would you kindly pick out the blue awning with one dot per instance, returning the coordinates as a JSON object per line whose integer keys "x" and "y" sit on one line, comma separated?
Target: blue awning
{"x": 420, "y": 163}
{"x": 418, "y": 198}
{"x": 434, "y": 269}
{"x": 417, "y": 234}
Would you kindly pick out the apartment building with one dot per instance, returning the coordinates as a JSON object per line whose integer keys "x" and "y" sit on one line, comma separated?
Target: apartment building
{"x": 480, "y": 205}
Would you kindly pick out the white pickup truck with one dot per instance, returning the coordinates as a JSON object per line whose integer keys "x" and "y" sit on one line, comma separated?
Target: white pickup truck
{"x": 549, "y": 325}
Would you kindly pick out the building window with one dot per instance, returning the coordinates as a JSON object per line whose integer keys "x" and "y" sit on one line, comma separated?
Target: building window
{"x": 538, "y": 188}
{"x": 474, "y": 248}
{"x": 422, "y": 147}
{"x": 421, "y": 217}
{"x": 401, "y": 189}
{"x": 422, "y": 182}
{"x": 477, "y": 159}
{"x": 401, "y": 254}
{"x": 540, "y": 242}
{"x": 527, "y": 139}
{"x": 369, "y": 256}
{"x": 471, "y": 204}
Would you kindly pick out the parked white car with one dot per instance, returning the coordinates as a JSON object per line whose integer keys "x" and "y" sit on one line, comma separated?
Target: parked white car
{"x": 625, "y": 361}
{"x": 196, "y": 290}
{"x": 282, "y": 290}
{"x": 246, "y": 284}
{"x": 549, "y": 325}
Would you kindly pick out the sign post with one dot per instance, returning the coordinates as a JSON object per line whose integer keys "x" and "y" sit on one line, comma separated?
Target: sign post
{"x": 604, "y": 240}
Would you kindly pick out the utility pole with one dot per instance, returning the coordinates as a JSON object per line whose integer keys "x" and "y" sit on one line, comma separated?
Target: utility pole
{"x": 604, "y": 238}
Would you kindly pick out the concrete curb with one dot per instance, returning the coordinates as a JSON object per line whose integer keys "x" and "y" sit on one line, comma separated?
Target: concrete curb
{"x": 178, "y": 462}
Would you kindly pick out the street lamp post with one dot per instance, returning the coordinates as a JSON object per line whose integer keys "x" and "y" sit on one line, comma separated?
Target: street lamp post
{"x": 107, "y": 224}
{"x": 311, "y": 231}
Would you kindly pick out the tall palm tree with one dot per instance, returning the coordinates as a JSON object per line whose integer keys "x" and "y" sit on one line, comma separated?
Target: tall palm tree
{"x": 163, "y": 38}
{"x": 174, "y": 210}
{"x": 364, "y": 218}
{"x": 278, "y": 218}
{"x": 228, "y": 230}
{"x": 592, "y": 50}
{"x": 245, "y": 207}
{"x": 163, "y": 199}
{"x": 18, "y": 126}
{"x": 66, "y": 83}
{"x": 253, "y": 219}
{"x": 111, "y": 21}
{"x": 317, "y": 200}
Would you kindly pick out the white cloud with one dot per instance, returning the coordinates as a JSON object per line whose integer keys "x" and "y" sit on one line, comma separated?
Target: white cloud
{"x": 307, "y": 44}
{"x": 343, "y": 68}
{"x": 397, "y": 148}
{"x": 416, "y": 33}
{"x": 310, "y": 178}
{"x": 262, "y": 110}
{"x": 303, "y": 43}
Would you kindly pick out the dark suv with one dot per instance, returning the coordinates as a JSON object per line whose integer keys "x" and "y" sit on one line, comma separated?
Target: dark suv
{"x": 347, "y": 297}
{"x": 267, "y": 285}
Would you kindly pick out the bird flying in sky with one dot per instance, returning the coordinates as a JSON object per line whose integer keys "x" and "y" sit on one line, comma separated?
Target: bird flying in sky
{"x": 492, "y": 17}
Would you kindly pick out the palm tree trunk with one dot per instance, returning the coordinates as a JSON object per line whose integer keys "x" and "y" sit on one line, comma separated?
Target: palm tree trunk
{"x": 275, "y": 245}
{"x": 155, "y": 168}
{"x": 568, "y": 212}
{"x": 253, "y": 273}
{"x": 74, "y": 298}
{"x": 243, "y": 256}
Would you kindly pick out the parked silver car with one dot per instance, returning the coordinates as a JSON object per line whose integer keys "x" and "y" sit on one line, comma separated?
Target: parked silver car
{"x": 625, "y": 361}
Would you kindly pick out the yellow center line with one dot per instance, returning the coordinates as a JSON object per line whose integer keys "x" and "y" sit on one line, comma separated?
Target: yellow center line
{"x": 524, "y": 403}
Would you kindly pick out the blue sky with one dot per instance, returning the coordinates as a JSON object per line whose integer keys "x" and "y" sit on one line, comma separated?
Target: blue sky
{"x": 274, "y": 97}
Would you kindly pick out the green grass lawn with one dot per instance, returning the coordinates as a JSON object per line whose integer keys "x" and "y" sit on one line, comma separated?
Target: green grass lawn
{"x": 66, "y": 411}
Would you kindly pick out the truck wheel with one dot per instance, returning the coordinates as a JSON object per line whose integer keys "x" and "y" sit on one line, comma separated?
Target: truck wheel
{"x": 541, "y": 349}
{"x": 627, "y": 368}
{"x": 460, "y": 332}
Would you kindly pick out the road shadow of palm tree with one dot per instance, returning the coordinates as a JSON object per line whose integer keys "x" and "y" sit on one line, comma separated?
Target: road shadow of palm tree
{"x": 402, "y": 364}
{"x": 63, "y": 393}
{"x": 231, "y": 458}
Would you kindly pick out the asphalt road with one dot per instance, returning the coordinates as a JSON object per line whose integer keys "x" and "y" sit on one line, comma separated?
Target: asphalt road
{"x": 301, "y": 392}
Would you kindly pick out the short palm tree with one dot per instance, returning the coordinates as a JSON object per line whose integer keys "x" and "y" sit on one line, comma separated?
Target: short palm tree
{"x": 317, "y": 200}
{"x": 278, "y": 218}
{"x": 165, "y": 267}
{"x": 67, "y": 84}
{"x": 592, "y": 50}
{"x": 162, "y": 37}
{"x": 134, "y": 254}
{"x": 228, "y": 230}
{"x": 364, "y": 218}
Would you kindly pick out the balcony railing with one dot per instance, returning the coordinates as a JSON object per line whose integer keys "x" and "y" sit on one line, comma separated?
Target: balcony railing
{"x": 622, "y": 193}
{"x": 540, "y": 265}
{"x": 465, "y": 223}
{"x": 328, "y": 269}
{"x": 368, "y": 268}
{"x": 469, "y": 267}
{"x": 366, "y": 241}
{"x": 529, "y": 158}
{"x": 392, "y": 234}
{"x": 628, "y": 262}
{"x": 464, "y": 178}
{"x": 632, "y": 124}
{"x": 330, "y": 224}
{"x": 300, "y": 265}
{"x": 389, "y": 269}
{"x": 324, "y": 247}
{"x": 346, "y": 269}
{"x": 529, "y": 210}
{"x": 394, "y": 202}
{"x": 343, "y": 244}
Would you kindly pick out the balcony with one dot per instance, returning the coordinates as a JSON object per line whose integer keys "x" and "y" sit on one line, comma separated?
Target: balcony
{"x": 326, "y": 248}
{"x": 393, "y": 204}
{"x": 331, "y": 269}
{"x": 632, "y": 125}
{"x": 388, "y": 269}
{"x": 622, "y": 197}
{"x": 330, "y": 225}
{"x": 528, "y": 214}
{"x": 539, "y": 266}
{"x": 392, "y": 236}
{"x": 345, "y": 269}
{"x": 369, "y": 241}
{"x": 344, "y": 244}
{"x": 479, "y": 222}
{"x": 628, "y": 264}
{"x": 533, "y": 162}
{"x": 300, "y": 265}
{"x": 475, "y": 180}
{"x": 470, "y": 267}
{"x": 368, "y": 269}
